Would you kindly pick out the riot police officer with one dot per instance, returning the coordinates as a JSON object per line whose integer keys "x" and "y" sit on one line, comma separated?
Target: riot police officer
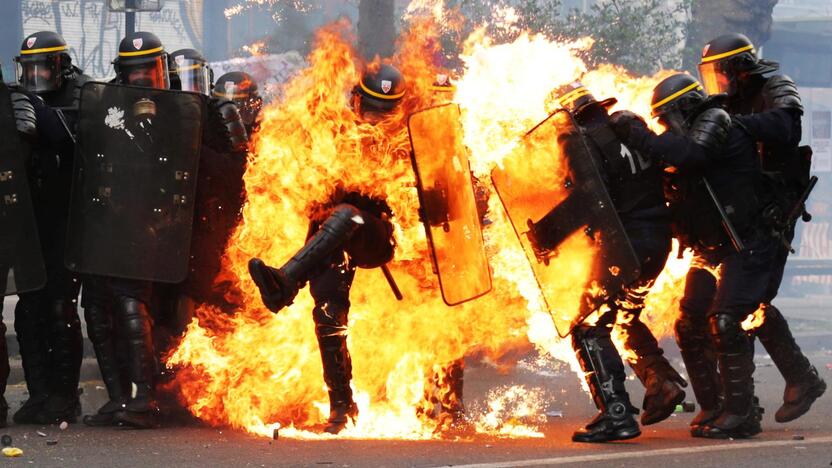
{"x": 22, "y": 115}
{"x": 770, "y": 108}
{"x": 716, "y": 195}
{"x": 46, "y": 321}
{"x": 141, "y": 61}
{"x": 635, "y": 187}
{"x": 241, "y": 89}
{"x": 350, "y": 230}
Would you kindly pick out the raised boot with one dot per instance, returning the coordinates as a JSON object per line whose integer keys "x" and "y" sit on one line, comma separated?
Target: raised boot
{"x": 605, "y": 376}
{"x": 740, "y": 417}
{"x": 279, "y": 286}
{"x": 141, "y": 411}
{"x": 662, "y": 388}
{"x": 699, "y": 356}
{"x": 803, "y": 385}
{"x": 30, "y": 327}
{"x": 101, "y": 333}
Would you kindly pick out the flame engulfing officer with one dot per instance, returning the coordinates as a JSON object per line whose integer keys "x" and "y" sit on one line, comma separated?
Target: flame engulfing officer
{"x": 241, "y": 89}
{"x": 19, "y": 265}
{"x": 46, "y": 321}
{"x": 716, "y": 194}
{"x": 769, "y": 108}
{"x": 635, "y": 187}
{"x": 119, "y": 300}
{"x": 348, "y": 231}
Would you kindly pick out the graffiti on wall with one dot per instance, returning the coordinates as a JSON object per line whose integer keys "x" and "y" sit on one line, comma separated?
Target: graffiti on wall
{"x": 93, "y": 33}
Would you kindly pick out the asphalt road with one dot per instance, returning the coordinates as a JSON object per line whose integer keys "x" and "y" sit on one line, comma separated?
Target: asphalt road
{"x": 805, "y": 442}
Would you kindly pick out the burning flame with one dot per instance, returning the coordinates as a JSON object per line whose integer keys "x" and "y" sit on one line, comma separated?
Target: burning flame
{"x": 755, "y": 320}
{"x": 257, "y": 371}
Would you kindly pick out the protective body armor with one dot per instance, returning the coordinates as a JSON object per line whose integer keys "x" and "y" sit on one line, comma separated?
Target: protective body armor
{"x": 633, "y": 181}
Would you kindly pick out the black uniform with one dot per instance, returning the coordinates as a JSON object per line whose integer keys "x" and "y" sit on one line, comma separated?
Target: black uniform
{"x": 723, "y": 285}
{"x": 635, "y": 187}
{"x": 769, "y": 108}
{"x": 46, "y": 321}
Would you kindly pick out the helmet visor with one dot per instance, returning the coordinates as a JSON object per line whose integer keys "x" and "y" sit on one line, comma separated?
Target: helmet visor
{"x": 39, "y": 73}
{"x": 149, "y": 73}
{"x": 194, "y": 75}
{"x": 714, "y": 77}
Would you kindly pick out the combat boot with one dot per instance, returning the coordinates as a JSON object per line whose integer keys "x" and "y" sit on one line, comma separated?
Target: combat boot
{"x": 735, "y": 355}
{"x": 341, "y": 411}
{"x": 799, "y": 396}
{"x": 141, "y": 411}
{"x": 699, "y": 356}
{"x": 803, "y": 385}
{"x": 4, "y": 412}
{"x": 330, "y": 329}
{"x": 30, "y": 328}
{"x": 101, "y": 333}
{"x": 605, "y": 377}
{"x": 279, "y": 286}
{"x": 662, "y": 389}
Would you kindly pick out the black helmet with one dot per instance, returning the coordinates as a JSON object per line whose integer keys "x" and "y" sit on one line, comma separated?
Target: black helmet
{"x": 380, "y": 89}
{"x": 43, "y": 62}
{"x": 675, "y": 101}
{"x": 241, "y": 89}
{"x": 142, "y": 61}
{"x": 189, "y": 71}
{"x": 576, "y": 98}
{"x": 727, "y": 59}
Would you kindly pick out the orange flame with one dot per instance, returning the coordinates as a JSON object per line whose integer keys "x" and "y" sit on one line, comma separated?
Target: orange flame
{"x": 754, "y": 321}
{"x": 256, "y": 371}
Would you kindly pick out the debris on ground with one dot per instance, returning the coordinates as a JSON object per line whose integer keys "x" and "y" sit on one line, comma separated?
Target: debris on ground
{"x": 40, "y": 433}
{"x": 554, "y": 414}
{"x": 51, "y": 442}
{"x": 64, "y": 425}
{"x": 685, "y": 407}
{"x": 12, "y": 452}
{"x": 797, "y": 437}
{"x": 275, "y": 433}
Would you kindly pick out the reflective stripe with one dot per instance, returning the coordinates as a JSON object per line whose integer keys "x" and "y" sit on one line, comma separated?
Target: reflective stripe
{"x": 141, "y": 52}
{"x": 727, "y": 54}
{"x": 44, "y": 50}
{"x": 372, "y": 93}
{"x": 231, "y": 96}
{"x": 191, "y": 67}
{"x": 676, "y": 95}
{"x": 571, "y": 96}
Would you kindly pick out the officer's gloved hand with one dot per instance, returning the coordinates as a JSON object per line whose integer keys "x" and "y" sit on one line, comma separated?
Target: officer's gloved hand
{"x": 630, "y": 128}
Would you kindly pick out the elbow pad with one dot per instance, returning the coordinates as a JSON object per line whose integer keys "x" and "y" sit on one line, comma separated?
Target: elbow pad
{"x": 231, "y": 125}
{"x": 780, "y": 92}
{"x": 24, "y": 115}
{"x": 710, "y": 129}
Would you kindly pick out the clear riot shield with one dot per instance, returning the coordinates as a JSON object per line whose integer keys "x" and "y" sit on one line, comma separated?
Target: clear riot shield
{"x": 132, "y": 206}
{"x": 449, "y": 209}
{"x": 558, "y": 204}
{"x": 21, "y": 260}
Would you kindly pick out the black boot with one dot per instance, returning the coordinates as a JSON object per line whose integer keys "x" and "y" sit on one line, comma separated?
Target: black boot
{"x": 32, "y": 337}
{"x": 102, "y": 335}
{"x": 662, "y": 387}
{"x": 803, "y": 385}
{"x": 67, "y": 344}
{"x": 740, "y": 417}
{"x": 331, "y": 330}
{"x": 699, "y": 356}
{"x": 141, "y": 411}
{"x": 279, "y": 286}
{"x": 452, "y": 403}
{"x": 4, "y": 411}
{"x": 605, "y": 376}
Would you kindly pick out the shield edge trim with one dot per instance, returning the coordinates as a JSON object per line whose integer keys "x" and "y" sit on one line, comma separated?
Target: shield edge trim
{"x": 425, "y": 224}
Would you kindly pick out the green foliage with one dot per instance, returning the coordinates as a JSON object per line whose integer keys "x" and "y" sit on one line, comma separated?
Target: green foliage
{"x": 641, "y": 35}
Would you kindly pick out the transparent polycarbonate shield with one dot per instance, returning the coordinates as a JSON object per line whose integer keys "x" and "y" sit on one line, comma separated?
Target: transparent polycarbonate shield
{"x": 132, "y": 207}
{"x": 21, "y": 260}
{"x": 558, "y": 204}
{"x": 449, "y": 208}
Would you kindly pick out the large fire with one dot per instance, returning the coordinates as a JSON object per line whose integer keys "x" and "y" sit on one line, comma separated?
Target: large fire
{"x": 256, "y": 371}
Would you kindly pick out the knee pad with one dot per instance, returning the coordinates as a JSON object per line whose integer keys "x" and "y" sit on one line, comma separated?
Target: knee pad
{"x": 726, "y": 331}
{"x": 372, "y": 244}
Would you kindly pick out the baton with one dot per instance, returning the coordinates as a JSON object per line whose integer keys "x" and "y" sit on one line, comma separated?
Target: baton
{"x": 798, "y": 209}
{"x": 392, "y": 282}
{"x": 726, "y": 222}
